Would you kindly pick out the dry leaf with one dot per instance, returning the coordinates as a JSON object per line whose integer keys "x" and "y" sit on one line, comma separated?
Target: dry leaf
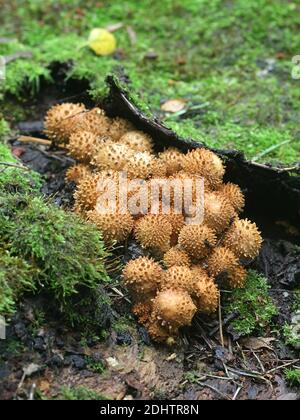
{"x": 131, "y": 35}
{"x": 253, "y": 343}
{"x": 44, "y": 386}
{"x": 173, "y": 105}
{"x": 31, "y": 369}
{"x": 114, "y": 27}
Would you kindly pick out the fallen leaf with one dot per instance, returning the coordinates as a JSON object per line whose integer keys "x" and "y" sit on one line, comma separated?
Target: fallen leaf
{"x": 44, "y": 386}
{"x": 112, "y": 362}
{"x": 131, "y": 35}
{"x": 173, "y": 105}
{"x": 102, "y": 42}
{"x": 18, "y": 151}
{"x": 114, "y": 27}
{"x": 151, "y": 55}
{"x": 257, "y": 343}
{"x": 31, "y": 369}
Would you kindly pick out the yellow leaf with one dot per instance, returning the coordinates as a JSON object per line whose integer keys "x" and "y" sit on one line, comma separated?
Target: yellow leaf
{"x": 102, "y": 42}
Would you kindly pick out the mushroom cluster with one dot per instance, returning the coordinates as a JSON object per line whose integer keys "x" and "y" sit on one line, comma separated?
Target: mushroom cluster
{"x": 186, "y": 262}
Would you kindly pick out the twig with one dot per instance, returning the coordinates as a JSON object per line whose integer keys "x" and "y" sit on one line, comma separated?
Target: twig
{"x": 226, "y": 321}
{"x": 29, "y": 139}
{"x": 220, "y": 322}
{"x": 32, "y": 392}
{"x": 16, "y": 56}
{"x": 214, "y": 389}
{"x": 237, "y": 393}
{"x": 255, "y": 375}
{"x": 282, "y": 366}
{"x": 4, "y": 40}
{"x": 259, "y": 361}
{"x": 118, "y": 292}
{"x": 13, "y": 165}
{"x": 269, "y": 150}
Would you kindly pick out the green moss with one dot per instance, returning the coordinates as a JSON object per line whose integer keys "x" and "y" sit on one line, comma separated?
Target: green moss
{"x": 67, "y": 252}
{"x": 14, "y": 177}
{"x": 214, "y": 54}
{"x": 292, "y": 376}
{"x": 253, "y": 304}
{"x": 76, "y": 393}
{"x": 15, "y": 278}
{"x": 122, "y": 324}
{"x": 291, "y": 332}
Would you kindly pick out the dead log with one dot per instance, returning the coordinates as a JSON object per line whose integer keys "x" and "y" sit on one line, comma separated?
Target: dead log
{"x": 272, "y": 193}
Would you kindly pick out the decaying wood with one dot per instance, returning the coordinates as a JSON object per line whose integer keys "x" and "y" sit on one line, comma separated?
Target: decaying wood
{"x": 272, "y": 192}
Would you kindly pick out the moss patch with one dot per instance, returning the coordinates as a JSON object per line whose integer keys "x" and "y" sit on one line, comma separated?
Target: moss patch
{"x": 253, "y": 304}
{"x": 230, "y": 61}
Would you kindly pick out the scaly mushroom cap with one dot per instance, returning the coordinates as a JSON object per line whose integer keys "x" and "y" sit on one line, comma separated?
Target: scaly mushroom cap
{"x": 114, "y": 227}
{"x": 236, "y": 278}
{"x": 138, "y": 141}
{"x": 178, "y": 277}
{"x": 177, "y": 222}
{"x": 142, "y": 276}
{"x": 176, "y": 257}
{"x": 62, "y": 120}
{"x": 139, "y": 165}
{"x": 154, "y": 232}
{"x": 205, "y": 163}
{"x": 174, "y": 308}
{"x": 161, "y": 334}
{"x": 118, "y": 128}
{"x": 172, "y": 159}
{"x": 83, "y": 145}
{"x": 197, "y": 240}
{"x": 142, "y": 311}
{"x": 77, "y": 172}
{"x": 218, "y": 213}
{"x": 243, "y": 238}
{"x": 158, "y": 169}
{"x": 112, "y": 156}
{"x": 96, "y": 122}
{"x": 89, "y": 189}
{"x": 221, "y": 261}
{"x": 206, "y": 295}
{"x": 234, "y": 195}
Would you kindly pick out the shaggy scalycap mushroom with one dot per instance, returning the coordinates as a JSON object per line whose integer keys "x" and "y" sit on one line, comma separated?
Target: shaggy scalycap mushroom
{"x": 138, "y": 141}
{"x": 77, "y": 172}
{"x": 205, "y": 163}
{"x": 112, "y": 156}
{"x": 243, "y": 238}
{"x": 178, "y": 278}
{"x": 83, "y": 145}
{"x": 142, "y": 276}
{"x": 154, "y": 232}
{"x": 197, "y": 240}
{"x": 174, "y": 308}
{"x": 176, "y": 256}
{"x": 114, "y": 227}
{"x": 234, "y": 195}
{"x": 62, "y": 120}
{"x": 172, "y": 159}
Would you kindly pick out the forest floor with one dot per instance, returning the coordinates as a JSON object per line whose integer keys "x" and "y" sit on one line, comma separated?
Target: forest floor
{"x": 231, "y": 66}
